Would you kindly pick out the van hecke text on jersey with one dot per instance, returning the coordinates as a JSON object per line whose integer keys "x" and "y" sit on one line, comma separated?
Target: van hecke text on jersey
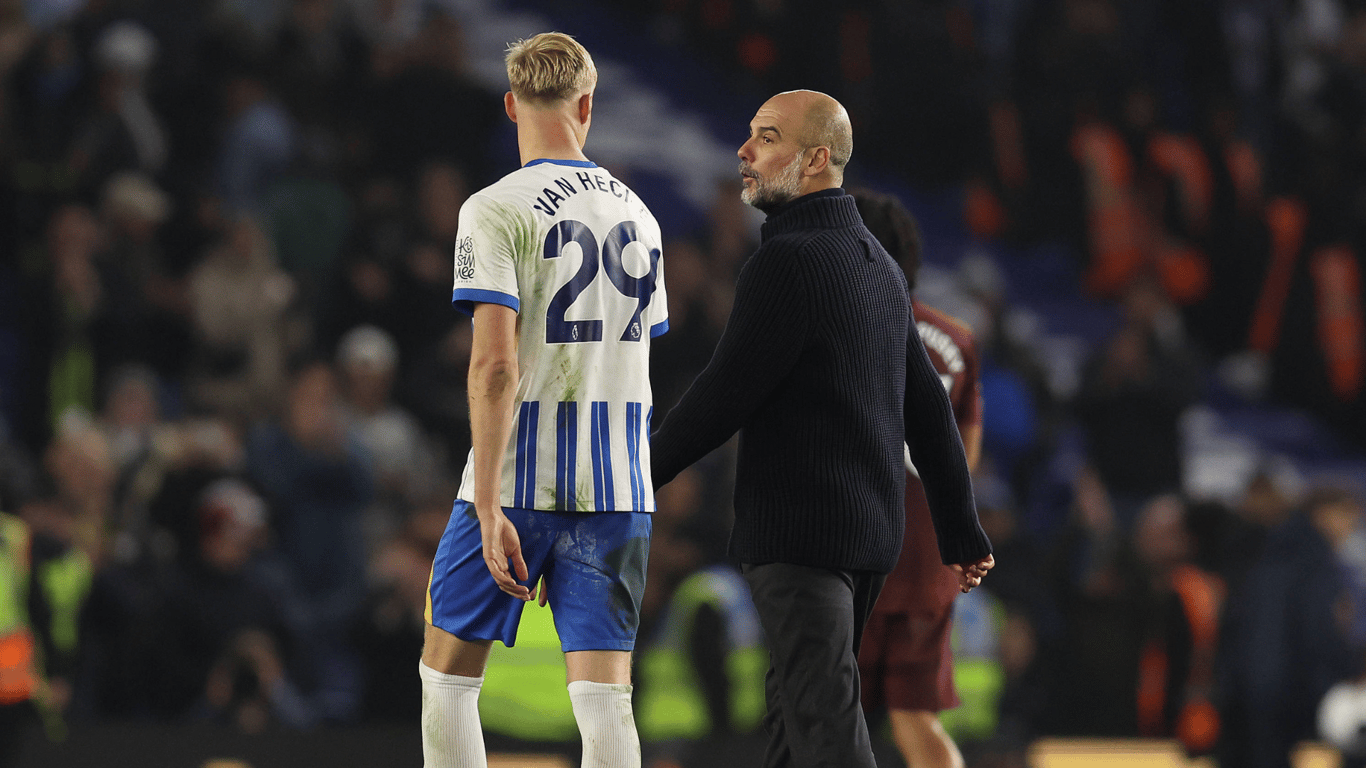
{"x": 550, "y": 200}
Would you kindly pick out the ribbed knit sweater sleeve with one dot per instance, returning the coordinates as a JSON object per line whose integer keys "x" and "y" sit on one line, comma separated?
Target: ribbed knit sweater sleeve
{"x": 762, "y": 340}
{"x": 937, "y": 450}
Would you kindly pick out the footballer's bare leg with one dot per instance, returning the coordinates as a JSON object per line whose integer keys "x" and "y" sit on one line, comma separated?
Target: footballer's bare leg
{"x": 599, "y": 666}
{"x": 452, "y": 673}
{"x": 600, "y": 690}
{"x": 922, "y": 740}
{"x": 450, "y": 655}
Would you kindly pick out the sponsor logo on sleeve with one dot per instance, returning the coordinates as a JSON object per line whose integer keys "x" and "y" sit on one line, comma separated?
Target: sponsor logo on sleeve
{"x": 464, "y": 259}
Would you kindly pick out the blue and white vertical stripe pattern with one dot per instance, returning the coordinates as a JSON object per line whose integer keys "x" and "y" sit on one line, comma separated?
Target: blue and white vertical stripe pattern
{"x": 524, "y": 483}
{"x": 600, "y": 438}
{"x": 566, "y": 455}
{"x": 601, "y": 465}
{"x": 633, "y": 455}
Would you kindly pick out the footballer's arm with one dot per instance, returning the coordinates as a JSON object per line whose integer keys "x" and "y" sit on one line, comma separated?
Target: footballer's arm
{"x": 492, "y": 387}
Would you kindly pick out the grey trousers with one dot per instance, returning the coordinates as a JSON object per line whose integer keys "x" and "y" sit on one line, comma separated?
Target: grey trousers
{"x": 813, "y": 620}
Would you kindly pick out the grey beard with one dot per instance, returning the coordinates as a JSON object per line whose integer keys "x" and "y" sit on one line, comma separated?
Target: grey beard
{"x": 766, "y": 195}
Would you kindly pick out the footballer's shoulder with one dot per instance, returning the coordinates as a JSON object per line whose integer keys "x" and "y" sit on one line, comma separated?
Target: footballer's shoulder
{"x": 942, "y": 319}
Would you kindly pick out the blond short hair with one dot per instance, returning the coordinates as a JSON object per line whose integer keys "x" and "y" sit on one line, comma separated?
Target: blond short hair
{"x": 549, "y": 67}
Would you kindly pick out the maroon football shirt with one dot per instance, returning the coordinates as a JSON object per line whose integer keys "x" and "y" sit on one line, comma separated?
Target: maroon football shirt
{"x": 920, "y": 581}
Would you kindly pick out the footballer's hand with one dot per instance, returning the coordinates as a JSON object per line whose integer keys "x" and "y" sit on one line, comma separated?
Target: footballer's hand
{"x": 502, "y": 546}
{"x": 970, "y": 574}
{"x": 544, "y": 592}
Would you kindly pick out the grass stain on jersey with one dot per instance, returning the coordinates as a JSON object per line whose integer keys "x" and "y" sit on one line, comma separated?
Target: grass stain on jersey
{"x": 550, "y": 490}
{"x": 570, "y": 374}
{"x": 515, "y": 225}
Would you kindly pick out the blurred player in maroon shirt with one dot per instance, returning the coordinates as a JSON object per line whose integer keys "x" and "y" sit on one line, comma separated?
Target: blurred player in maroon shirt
{"x": 904, "y": 662}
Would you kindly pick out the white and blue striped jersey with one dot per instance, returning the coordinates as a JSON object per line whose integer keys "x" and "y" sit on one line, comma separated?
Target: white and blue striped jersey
{"x": 577, "y": 254}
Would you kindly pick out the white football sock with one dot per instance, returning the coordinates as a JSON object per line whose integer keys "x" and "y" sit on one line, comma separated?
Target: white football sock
{"x": 451, "y": 734}
{"x": 606, "y": 723}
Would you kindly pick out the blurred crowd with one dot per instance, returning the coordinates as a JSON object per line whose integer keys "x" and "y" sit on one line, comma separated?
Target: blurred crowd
{"x": 233, "y": 386}
{"x": 232, "y": 404}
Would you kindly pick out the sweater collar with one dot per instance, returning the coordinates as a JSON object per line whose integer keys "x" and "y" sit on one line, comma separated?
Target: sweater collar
{"x": 826, "y": 208}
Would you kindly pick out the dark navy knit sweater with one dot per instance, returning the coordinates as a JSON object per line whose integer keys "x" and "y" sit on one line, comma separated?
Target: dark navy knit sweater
{"x": 823, "y": 374}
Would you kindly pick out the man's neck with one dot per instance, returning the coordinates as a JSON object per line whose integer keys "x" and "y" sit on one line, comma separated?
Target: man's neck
{"x": 548, "y": 140}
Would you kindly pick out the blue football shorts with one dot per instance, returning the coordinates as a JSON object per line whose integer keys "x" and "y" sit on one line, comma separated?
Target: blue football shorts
{"x": 593, "y": 563}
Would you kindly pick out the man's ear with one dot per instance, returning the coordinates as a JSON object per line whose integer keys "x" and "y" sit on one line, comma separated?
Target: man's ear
{"x": 510, "y": 106}
{"x": 586, "y": 108}
{"x": 819, "y": 162}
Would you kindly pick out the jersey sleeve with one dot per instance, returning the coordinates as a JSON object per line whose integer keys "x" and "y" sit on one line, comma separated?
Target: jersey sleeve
{"x": 486, "y": 255}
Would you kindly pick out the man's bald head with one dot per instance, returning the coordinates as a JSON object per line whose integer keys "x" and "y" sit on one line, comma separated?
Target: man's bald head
{"x": 827, "y": 125}
{"x": 799, "y": 143}
{"x": 824, "y": 123}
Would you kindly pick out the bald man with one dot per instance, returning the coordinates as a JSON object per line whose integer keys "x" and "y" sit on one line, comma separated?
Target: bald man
{"x": 822, "y": 373}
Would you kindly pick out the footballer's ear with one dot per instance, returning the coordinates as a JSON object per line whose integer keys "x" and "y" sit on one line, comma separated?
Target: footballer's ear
{"x": 510, "y": 106}
{"x": 586, "y": 108}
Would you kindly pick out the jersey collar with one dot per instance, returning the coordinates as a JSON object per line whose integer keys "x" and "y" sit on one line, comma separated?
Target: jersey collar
{"x": 574, "y": 163}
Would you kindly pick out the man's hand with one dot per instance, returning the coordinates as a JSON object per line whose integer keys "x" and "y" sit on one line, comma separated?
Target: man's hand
{"x": 970, "y": 574}
{"x": 501, "y": 544}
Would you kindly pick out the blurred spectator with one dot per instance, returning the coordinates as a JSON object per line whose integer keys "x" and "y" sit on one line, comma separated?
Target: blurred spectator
{"x": 441, "y": 190}
{"x": 48, "y": 91}
{"x": 1176, "y": 696}
{"x": 434, "y": 390}
{"x": 318, "y": 479}
{"x": 123, "y": 671}
{"x": 1285, "y": 641}
{"x": 131, "y": 421}
{"x": 259, "y": 142}
{"x": 167, "y": 637}
{"x": 319, "y": 61}
{"x": 239, "y": 300}
{"x": 389, "y": 632}
{"x": 308, "y": 215}
{"x": 423, "y": 275}
{"x": 420, "y": 105}
{"x": 1237, "y": 240}
{"x": 366, "y": 291}
{"x": 1017, "y": 430}
{"x": 404, "y": 464}
{"x": 1132, "y": 395}
{"x": 1229, "y": 540}
{"x": 80, "y": 463}
{"x": 43, "y": 586}
{"x": 147, "y": 308}
{"x": 64, "y": 302}
{"x": 184, "y": 459}
{"x": 237, "y": 617}
{"x": 1104, "y": 602}
{"x": 122, "y": 133}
